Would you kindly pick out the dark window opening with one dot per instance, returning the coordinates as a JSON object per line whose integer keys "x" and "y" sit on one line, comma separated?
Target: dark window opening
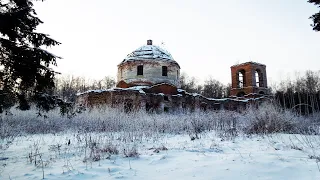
{"x": 164, "y": 71}
{"x": 140, "y": 70}
{"x": 128, "y": 105}
{"x": 241, "y": 94}
{"x": 148, "y": 107}
{"x": 203, "y": 107}
{"x": 177, "y": 74}
{"x": 166, "y": 98}
{"x": 184, "y": 106}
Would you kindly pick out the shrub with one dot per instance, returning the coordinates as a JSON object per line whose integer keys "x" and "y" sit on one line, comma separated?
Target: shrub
{"x": 269, "y": 118}
{"x": 136, "y": 126}
{"x": 131, "y": 152}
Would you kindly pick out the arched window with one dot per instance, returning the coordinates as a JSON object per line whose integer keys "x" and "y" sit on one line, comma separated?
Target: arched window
{"x": 241, "y": 78}
{"x": 259, "y": 78}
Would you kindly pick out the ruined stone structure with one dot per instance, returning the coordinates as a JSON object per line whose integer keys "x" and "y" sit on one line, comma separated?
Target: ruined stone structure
{"x": 148, "y": 65}
{"x": 248, "y": 79}
{"x": 148, "y": 79}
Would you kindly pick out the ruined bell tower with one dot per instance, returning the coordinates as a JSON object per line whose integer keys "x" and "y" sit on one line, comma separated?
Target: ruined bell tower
{"x": 248, "y": 79}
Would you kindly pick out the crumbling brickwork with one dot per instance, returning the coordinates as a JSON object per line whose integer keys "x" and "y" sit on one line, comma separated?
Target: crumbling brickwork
{"x": 153, "y": 99}
{"x": 249, "y": 78}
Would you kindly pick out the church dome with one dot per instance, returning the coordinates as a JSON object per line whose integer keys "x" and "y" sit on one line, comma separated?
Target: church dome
{"x": 150, "y": 52}
{"x": 147, "y": 66}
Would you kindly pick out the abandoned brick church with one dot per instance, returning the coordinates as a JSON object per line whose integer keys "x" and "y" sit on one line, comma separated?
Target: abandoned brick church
{"x": 149, "y": 78}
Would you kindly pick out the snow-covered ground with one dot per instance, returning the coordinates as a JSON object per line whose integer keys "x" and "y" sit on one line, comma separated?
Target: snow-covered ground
{"x": 89, "y": 156}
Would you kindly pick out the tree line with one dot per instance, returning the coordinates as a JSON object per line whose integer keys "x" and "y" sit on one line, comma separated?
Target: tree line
{"x": 301, "y": 94}
{"x": 68, "y": 86}
{"x": 210, "y": 88}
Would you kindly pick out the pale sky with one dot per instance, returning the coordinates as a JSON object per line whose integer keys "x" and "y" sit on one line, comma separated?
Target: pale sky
{"x": 205, "y": 37}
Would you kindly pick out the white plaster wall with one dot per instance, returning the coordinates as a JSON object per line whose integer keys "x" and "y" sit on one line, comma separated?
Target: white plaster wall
{"x": 152, "y": 72}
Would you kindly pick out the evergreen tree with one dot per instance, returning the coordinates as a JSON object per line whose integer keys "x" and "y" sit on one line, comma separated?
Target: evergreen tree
{"x": 316, "y": 17}
{"x": 24, "y": 64}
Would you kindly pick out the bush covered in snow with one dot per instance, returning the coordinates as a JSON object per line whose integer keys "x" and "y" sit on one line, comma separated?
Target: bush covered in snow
{"x": 268, "y": 118}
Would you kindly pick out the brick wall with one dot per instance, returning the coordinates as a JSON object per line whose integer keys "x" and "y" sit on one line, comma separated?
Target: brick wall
{"x": 249, "y": 78}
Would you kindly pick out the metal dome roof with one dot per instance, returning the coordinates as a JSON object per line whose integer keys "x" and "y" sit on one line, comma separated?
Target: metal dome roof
{"x": 149, "y": 52}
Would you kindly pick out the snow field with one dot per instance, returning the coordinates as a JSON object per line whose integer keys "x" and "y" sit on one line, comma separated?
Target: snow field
{"x": 255, "y": 157}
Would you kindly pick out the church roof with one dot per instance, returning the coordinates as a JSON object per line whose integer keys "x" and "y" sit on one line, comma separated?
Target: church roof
{"x": 149, "y": 52}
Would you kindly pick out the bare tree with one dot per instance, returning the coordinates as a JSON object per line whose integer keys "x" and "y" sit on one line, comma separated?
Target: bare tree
{"x": 108, "y": 82}
{"x": 301, "y": 94}
{"x": 189, "y": 84}
{"x": 213, "y": 88}
{"x": 68, "y": 86}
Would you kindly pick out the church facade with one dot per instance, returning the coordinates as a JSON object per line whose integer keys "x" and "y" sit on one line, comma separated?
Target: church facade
{"x": 149, "y": 78}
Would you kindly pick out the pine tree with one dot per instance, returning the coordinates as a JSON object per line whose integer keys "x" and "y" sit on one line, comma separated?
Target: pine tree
{"x": 316, "y": 17}
{"x": 25, "y": 66}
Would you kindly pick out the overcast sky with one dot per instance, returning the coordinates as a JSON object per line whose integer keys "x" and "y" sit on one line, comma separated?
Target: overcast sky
{"x": 205, "y": 37}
